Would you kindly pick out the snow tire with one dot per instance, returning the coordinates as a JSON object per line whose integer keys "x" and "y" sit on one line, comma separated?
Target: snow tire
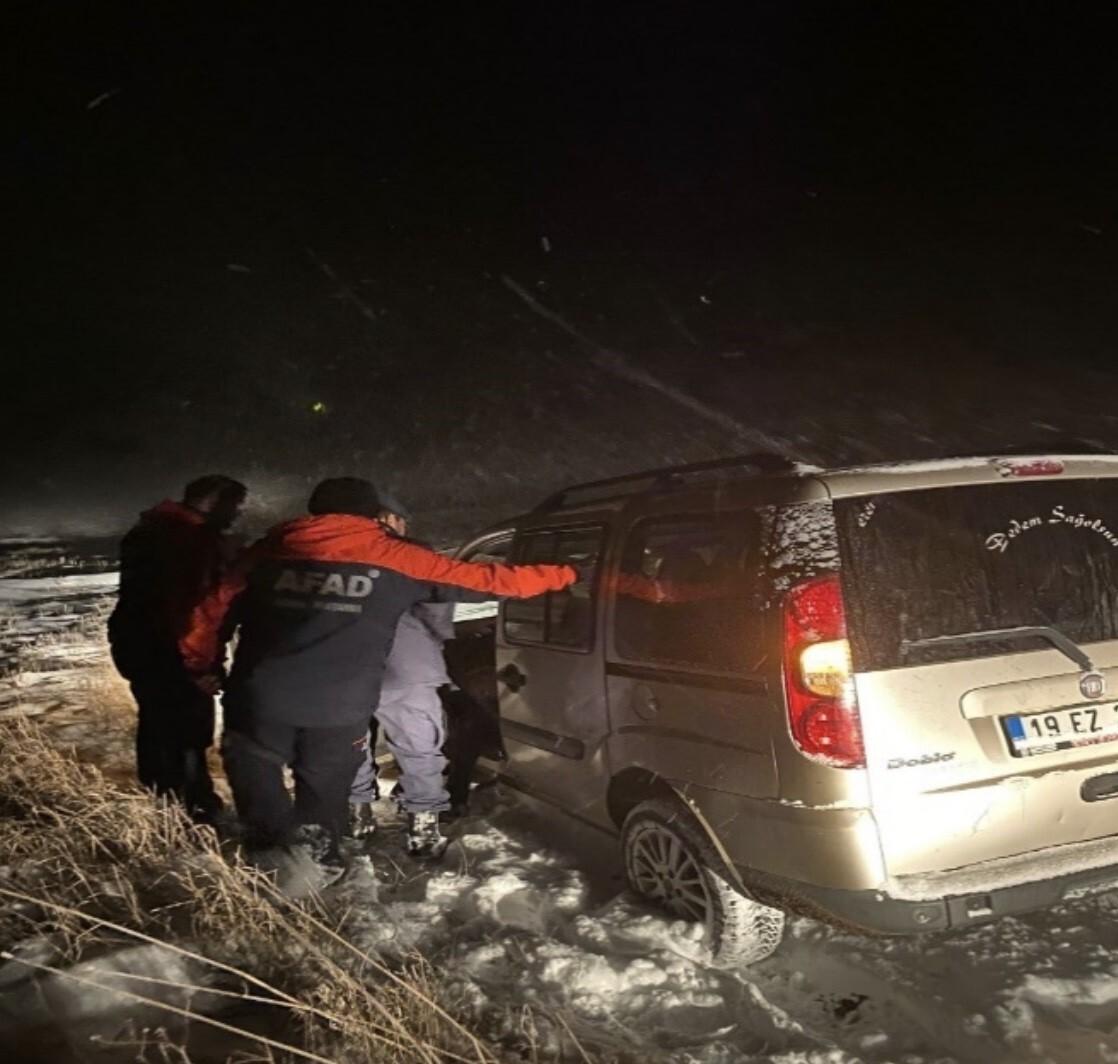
{"x": 670, "y": 860}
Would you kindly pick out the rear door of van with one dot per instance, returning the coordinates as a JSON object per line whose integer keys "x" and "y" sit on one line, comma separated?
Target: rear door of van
{"x": 983, "y": 625}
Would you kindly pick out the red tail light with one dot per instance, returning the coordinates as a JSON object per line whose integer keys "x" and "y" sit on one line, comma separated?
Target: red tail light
{"x": 1030, "y": 467}
{"x": 818, "y": 677}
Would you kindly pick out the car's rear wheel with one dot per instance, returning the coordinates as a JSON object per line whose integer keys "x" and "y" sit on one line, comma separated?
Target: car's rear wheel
{"x": 670, "y": 861}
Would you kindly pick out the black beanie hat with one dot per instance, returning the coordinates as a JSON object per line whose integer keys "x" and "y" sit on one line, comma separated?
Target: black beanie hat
{"x": 345, "y": 495}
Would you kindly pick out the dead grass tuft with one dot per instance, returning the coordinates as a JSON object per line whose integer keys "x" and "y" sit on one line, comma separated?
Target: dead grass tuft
{"x": 96, "y": 866}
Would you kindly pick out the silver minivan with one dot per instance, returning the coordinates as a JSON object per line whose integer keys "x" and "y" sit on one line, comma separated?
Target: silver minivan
{"x": 886, "y": 696}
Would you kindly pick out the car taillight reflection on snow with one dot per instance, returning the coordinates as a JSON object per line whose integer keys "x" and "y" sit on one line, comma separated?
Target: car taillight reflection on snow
{"x": 818, "y": 677}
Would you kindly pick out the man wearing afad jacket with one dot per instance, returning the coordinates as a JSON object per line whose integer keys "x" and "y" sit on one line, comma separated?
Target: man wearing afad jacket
{"x": 318, "y": 600}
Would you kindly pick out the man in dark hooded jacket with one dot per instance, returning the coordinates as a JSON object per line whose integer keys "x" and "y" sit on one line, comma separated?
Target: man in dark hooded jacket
{"x": 168, "y": 562}
{"x": 318, "y": 601}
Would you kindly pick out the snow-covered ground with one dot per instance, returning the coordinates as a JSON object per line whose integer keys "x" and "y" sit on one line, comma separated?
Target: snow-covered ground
{"x": 529, "y": 909}
{"x": 39, "y": 620}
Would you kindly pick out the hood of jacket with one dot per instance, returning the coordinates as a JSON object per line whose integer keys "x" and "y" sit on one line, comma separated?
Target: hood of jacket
{"x": 322, "y": 536}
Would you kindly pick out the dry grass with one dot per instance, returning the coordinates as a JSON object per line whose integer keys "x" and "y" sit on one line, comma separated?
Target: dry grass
{"x": 86, "y": 707}
{"x": 96, "y": 866}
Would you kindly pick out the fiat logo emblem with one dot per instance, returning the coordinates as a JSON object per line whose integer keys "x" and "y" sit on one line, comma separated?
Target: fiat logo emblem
{"x": 1092, "y": 684}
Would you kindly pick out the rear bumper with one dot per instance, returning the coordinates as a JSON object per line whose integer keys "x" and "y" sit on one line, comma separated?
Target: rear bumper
{"x": 880, "y": 912}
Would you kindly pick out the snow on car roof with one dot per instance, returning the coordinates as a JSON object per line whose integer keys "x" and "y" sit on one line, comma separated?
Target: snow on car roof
{"x": 945, "y": 472}
{"x": 935, "y": 465}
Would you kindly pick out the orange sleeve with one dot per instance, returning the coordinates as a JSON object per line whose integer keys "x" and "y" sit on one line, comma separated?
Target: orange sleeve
{"x": 201, "y": 644}
{"x": 646, "y": 589}
{"x": 511, "y": 581}
{"x": 638, "y": 586}
{"x": 358, "y": 539}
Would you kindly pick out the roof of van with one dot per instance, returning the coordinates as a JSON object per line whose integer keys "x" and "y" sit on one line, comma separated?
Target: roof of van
{"x": 850, "y": 480}
{"x": 945, "y": 472}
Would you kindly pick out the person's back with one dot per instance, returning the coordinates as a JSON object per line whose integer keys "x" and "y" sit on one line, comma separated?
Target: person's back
{"x": 168, "y": 562}
{"x": 417, "y": 651}
{"x": 315, "y": 621}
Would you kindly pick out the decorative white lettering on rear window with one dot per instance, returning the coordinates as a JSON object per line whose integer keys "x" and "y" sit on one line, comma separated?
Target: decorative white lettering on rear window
{"x": 1000, "y": 541}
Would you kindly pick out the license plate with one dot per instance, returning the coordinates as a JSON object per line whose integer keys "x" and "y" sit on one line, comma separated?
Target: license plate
{"x": 1061, "y": 729}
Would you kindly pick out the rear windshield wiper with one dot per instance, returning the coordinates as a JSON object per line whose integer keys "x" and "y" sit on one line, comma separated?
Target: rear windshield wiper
{"x": 999, "y": 635}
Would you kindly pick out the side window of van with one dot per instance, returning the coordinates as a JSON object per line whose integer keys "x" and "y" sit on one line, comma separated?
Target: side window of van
{"x": 558, "y": 618}
{"x": 685, "y": 593}
{"x": 492, "y": 550}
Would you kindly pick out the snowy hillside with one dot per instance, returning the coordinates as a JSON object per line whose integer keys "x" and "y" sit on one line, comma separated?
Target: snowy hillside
{"x": 527, "y": 914}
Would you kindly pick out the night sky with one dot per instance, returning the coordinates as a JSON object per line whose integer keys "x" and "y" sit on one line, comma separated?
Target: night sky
{"x": 274, "y": 244}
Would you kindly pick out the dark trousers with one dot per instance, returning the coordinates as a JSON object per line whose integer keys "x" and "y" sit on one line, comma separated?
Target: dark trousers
{"x": 322, "y": 760}
{"x": 174, "y": 728}
{"x": 473, "y": 730}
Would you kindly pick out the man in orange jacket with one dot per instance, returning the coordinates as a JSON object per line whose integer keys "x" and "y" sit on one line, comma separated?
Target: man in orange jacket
{"x": 317, "y": 601}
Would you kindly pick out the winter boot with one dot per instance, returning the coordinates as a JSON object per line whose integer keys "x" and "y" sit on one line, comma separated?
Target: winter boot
{"x": 425, "y": 841}
{"x": 457, "y": 811}
{"x": 362, "y": 820}
{"x": 321, "y": 846}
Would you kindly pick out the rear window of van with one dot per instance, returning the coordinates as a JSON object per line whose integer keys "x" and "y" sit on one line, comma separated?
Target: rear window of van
{"x": 949, "y": 561}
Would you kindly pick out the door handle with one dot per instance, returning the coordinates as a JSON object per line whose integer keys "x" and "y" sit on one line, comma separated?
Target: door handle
{"x": 512, "y": 677}
{"x": 645, "y": 703}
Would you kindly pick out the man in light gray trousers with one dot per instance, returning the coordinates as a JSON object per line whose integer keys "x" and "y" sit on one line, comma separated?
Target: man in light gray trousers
{"x": 411, "y": 714}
